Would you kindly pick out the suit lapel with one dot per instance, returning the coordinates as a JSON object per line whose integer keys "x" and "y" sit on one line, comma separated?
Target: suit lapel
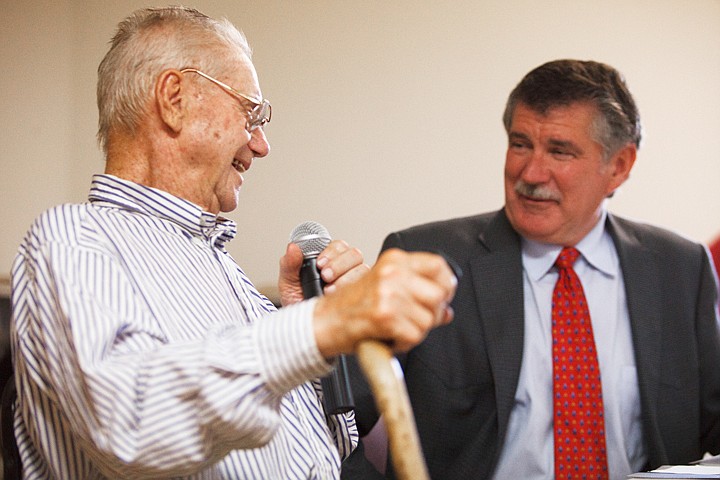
{"x": 497, "y": 276}
{"x": 642, "y": 284}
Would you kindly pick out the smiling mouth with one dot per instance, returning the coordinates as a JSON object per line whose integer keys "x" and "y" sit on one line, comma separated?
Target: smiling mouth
{"x": 238, "y": 165}
{"x": 537, "y": 199}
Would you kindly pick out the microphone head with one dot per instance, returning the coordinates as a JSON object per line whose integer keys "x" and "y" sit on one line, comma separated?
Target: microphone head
{"x": 311, "y": 237}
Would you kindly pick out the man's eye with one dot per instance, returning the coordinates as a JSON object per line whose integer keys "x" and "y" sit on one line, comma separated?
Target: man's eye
{"x": 562, "y": 154}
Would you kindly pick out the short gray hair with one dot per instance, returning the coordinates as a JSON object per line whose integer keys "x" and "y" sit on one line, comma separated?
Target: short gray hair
{"x": 563, "y": 82}
{"x": 148, "y": 42}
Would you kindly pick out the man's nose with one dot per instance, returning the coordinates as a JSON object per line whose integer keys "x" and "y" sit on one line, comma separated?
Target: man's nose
{"x": 259, "y": 143}
{"x": 536, "y": 169}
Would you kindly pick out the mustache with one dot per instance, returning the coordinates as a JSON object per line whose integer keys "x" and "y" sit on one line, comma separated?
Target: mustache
{"x": 538, "y": 192}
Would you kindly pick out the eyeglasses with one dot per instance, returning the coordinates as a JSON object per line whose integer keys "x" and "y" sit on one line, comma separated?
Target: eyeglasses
{"x": 258, "y": 116}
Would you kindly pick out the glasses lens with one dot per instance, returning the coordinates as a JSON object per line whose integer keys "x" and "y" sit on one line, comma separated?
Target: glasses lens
{"x": 260, "y": 115}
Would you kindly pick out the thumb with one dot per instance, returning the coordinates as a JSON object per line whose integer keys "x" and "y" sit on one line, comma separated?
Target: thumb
{"x": 289, "y": 276}
{"x": 291, "y": 262}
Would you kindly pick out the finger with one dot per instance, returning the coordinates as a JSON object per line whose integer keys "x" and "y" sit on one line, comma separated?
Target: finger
{"x": 412, "y": 328}
{"x": 412, "y": 320}
{"x": 431, "y": 296}
{"x": 435, "y": 268}
{"x": 449, "y": 315}
{"x": 408, "y": 304}
{"x": 332, "y": 250}
{"x": 351, "y": 276}
{"x": 429, "y": 266}
{"x": 337, "y": 260}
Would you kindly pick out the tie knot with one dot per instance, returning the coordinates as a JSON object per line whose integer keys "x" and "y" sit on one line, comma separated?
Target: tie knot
{"x": 567, "y": 257}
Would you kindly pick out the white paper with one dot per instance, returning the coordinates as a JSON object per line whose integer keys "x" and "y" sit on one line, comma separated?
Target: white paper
{"x": 691, "y": 469}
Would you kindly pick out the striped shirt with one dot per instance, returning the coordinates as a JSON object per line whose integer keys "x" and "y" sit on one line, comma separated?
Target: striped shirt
{"x": 142, "y": 350}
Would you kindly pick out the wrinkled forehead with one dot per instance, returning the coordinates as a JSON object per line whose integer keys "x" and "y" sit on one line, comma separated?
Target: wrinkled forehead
{"x": 243, "y": 76}
{"x": 580, "y": 112}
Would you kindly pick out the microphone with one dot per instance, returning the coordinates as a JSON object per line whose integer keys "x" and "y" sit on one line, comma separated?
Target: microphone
{"x": 312, "y": 238}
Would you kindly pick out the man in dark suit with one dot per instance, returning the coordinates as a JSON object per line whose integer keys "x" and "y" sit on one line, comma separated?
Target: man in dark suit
{"x": 482, "y": 388}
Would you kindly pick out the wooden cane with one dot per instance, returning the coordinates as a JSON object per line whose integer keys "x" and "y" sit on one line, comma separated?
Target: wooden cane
{"x": 386, "y": 381}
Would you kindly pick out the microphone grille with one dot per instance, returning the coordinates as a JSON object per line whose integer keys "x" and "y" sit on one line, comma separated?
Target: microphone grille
{"x": 311, "y": 237}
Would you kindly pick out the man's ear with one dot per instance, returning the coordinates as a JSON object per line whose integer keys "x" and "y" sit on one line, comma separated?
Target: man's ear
{"x": 621, "y": 163}
{"x": 169, "y": 91}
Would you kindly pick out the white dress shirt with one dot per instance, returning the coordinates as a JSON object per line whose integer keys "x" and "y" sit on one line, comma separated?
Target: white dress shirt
{"x": 143, "y": 351}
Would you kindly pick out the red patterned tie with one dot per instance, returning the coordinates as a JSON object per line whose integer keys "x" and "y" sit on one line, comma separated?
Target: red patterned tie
{"x": 577, "y": 392}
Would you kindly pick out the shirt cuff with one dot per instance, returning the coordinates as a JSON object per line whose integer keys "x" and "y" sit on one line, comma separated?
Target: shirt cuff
{"x": 287, "y": 349}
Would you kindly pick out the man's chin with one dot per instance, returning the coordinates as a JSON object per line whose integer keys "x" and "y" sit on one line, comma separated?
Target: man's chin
{"x": 230, "y": 204}
{"x": 533, "y": 227}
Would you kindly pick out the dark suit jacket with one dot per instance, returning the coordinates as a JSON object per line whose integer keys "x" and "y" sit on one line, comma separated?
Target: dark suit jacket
{"x": 462, "y": 378}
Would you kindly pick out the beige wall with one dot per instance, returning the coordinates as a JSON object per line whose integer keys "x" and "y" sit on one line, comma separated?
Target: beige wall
{"x": 386, "y": 113}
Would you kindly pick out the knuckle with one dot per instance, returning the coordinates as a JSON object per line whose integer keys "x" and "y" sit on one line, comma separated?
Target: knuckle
{"x": 386, "y": 272}
{"x": 393, "y": 255}
{"x": 357, "y": 252}
{"x": 411, "y": 338}
{"x": 385, "y": 312}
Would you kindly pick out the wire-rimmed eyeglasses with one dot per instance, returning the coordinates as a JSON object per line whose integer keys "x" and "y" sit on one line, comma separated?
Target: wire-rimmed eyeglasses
{"x": 257, "y": 117}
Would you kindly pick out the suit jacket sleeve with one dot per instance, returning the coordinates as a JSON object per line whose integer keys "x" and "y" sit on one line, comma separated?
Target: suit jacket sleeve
{"x": 709, "y": 348}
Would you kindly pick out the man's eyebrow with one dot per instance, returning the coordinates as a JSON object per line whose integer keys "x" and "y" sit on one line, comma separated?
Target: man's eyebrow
{"x": 518, "y": 136}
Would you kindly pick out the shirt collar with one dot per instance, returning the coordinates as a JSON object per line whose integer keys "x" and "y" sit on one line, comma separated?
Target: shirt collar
{"x": 112, "y": 191}
{"x": 596, "y": 248}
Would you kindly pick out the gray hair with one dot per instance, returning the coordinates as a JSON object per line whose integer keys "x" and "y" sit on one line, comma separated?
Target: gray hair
{"x": 563, "y": 82}
{"x": 148, "y": 42}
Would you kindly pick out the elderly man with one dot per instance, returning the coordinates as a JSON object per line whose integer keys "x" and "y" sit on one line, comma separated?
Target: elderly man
{"x": 555, "y": 369}
{"x": 141, "y": 348}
